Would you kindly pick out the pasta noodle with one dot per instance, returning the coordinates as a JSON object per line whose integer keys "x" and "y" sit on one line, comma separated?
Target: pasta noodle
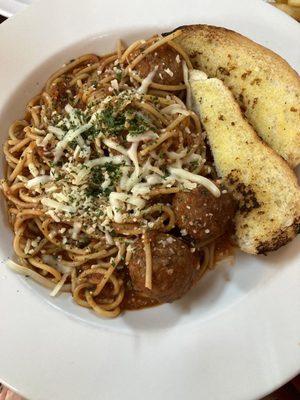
{"x": 78, "y": 193}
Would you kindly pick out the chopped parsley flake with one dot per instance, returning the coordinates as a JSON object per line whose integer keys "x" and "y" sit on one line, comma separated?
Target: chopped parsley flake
{"x": 119, "y": 75}
{"x": 138, "y": 125}
{"x": 97, "y": 178}
{"x": 112, "y": 122}
{"x": 194, "y": 163}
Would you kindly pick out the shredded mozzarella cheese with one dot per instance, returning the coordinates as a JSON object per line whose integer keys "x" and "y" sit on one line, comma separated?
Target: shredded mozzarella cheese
{"x": 82, "y": 173}
{"x": 109, "y": 238}
{"x": 115, "y": 146}
{"x": 175, "y": 109}
{"x": 59, "y": 133}
{"x": 71, "y": 135}
{"x": 134, "y": 178}
{"x": 59, "y": 286}
{"x": 188, "y": 86}
{"x": 189, "y": 176}
{"x": 46, "y": 140}
{"x": 53, "y": 262}
{"x": 116, "y": 199}
{"x": 76, "y": 229}
{"x": 57, "y": 206}
{"x": 39, "y": 180}
{"x": 145, "y": 137}
{"x": 33, "y": 169}
{"x": 147, "y": 81}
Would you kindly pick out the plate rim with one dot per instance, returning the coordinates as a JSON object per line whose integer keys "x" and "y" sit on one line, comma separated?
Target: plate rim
{"x": 31, "y": 14}
{"x": 10, "y": 7}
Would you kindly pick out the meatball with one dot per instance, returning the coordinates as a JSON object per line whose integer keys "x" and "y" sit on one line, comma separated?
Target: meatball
{"x": 169, "y": 65}
{"x": 174, "y": 267}
{"x": 203, "y": 216}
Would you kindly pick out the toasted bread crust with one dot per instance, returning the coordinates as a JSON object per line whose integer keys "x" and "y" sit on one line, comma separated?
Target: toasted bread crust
{"x": 265, "y": 86}
{"x": 280, "y": 238}
{"x": 260, "y": 180}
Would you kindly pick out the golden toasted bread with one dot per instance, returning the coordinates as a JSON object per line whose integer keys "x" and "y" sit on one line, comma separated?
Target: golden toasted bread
{"x": 262, "y": 182}
{"x": 265, "y": 86}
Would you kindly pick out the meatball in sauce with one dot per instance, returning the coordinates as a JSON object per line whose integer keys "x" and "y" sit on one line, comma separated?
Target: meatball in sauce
{"x": 203, "y": 216}
{"x": 174, "y": 267}
{"x": 168, "y": 63}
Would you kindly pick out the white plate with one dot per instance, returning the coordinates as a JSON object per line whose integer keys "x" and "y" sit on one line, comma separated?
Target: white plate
{"x": 235, "y": 337}
{"x": 11, "y": 7}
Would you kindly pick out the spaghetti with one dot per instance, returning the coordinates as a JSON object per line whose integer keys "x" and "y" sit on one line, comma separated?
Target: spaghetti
{"x": 92, "y": 166}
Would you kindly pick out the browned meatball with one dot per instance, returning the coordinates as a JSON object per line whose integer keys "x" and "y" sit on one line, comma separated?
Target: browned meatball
{"x": 203, "y": 216}
{"x": 169, "y": 64}
{"x": 174, "y": 267}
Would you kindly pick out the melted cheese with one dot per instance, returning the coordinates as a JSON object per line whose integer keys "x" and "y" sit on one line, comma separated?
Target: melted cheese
{"x": 73, "y": 118}
{"x": 59, "y": 133}
{"x": 76, "y": 229}
{"x": 60, "y": 197}
{"x": 140, "y": 189}
{"x": 124, "y": 178}
{"x": 57, "y": 206}
{"x": 52, "y": 214}
{"x": 115, "y": 146}
{"x": 116, "y": 199}
{"x": 33, "y": 169}
{"x": 39, "y": 180}
{"x": 144, "y": 137}
{"x": 189, "y": 176}
{"x": 154, "y": 179}
{"x": 197, "y": 75}
{"x": 84, "y": 172}
{"x": 46, "y": 140}
{"x": 177, "y": 156}
{"x": 188, "y": 86}
{"x": 175, "y": 109}
{"x": 60, "y": 284}
{"x": 53, "y": 262}
{"x": 107, "y": 181}
{"x": 70, "y": 195}
{"x": 114, "y": 84}
{"x": 134, "y": 178}
{"x": 71, "y": 135}
{"x": 109, "y": 239}
{"x": 147, "y": 81}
